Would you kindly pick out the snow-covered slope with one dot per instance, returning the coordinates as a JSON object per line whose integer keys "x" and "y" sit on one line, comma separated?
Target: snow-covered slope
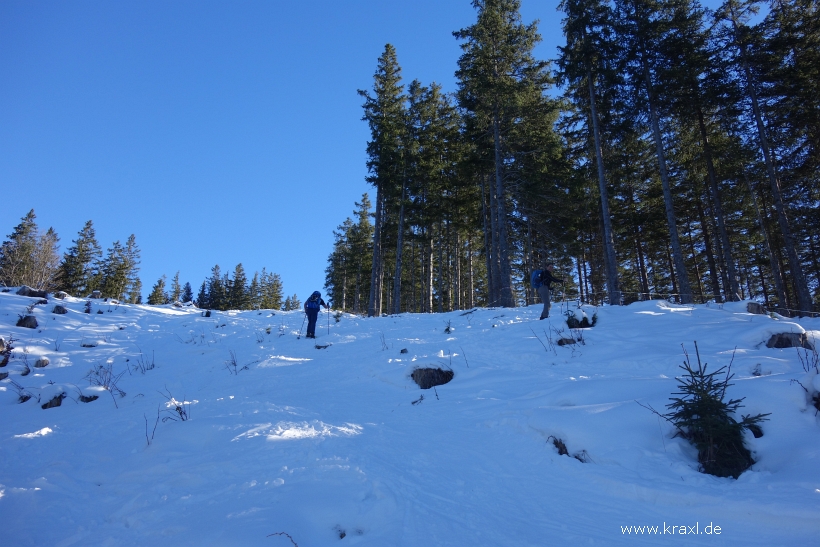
{"x": 336, "y": 446}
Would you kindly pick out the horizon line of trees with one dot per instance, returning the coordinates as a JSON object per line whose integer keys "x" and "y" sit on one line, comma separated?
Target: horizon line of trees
{"x": 31, "y": 257}
{"x": 682, "y": 159}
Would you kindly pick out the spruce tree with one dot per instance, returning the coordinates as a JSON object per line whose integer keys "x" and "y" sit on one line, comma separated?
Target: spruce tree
{"x": 29, "y": 257}
{"x": 238, "y": 297}
{"x": 202, "y": 300}
{"x": 590, "y": 47}
{"x": 187, "y": 293}
{"x": 77, "y": 268}
{"x": 735, "y": 14}
{"x": 15, "y": 252}
{"x": 384, "y": 112}
{"x": 254, "y": 293}
{"x": 501, "y": 88}
{"x": 176, "y": 289}
{"x": 158, "y": 295}
{"x": 217, "y": 294}
{"x": 643, "y": 31}
{"x": 271, "y": 291}
{"x": 131, "y": 263}
{"x": 135, "y": 292}
{"x": 114, "y": 280}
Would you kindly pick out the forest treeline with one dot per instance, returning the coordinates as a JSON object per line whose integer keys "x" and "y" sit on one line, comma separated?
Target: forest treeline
{"x": 668, "y": 151}
{"x": 31, "y": 257}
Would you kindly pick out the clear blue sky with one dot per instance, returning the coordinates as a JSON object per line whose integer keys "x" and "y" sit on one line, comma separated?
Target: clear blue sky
{"x": 216, "y": 132}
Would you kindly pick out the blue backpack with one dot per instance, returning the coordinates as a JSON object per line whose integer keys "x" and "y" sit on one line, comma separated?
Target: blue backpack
{"x": 535, "y": 279}
{"x": 313, "y": 301}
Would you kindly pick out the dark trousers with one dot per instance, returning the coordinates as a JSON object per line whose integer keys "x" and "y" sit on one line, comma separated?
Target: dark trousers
{"x": 312, "y": 315}
{"x": 544, "y": 293}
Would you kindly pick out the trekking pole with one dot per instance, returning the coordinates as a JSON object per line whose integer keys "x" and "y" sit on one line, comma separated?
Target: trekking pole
{"x": 328, "y": 320}
{"x": 303, "y": 326}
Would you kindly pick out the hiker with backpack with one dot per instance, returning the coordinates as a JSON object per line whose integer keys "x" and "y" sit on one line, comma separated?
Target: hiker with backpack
{"x": 312, "y": 306}
{"x": 541, "y": 281}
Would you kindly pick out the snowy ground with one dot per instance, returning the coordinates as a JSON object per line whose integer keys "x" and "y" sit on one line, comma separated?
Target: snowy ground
{"x": 325, "y": 443}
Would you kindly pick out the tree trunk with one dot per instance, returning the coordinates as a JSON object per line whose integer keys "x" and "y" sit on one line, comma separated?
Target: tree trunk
{"x": 399, "y": 250}
{"x": 506, "y": 296}
{"x": 731, "y": 272}
{"x": 710, "y": 255}
{"x": 683, "y": 280}
{"x": 374, "y": 301}
{"x": 610, "y": 260}
{"x": 777, "y": 275}
{"x": 800, "y": 286}
{"x": 471, "y": 297}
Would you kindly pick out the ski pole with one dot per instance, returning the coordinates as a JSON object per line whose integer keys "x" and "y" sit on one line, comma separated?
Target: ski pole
{"x": 328, "y": 320}
{"x": 303, "y": 326}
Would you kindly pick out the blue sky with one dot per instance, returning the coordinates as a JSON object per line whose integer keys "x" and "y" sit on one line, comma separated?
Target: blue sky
{"x": 216, "y": 132}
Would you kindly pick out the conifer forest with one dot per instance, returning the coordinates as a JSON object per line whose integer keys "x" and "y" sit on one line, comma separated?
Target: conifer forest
{"x": 31, "y": 257}
{"x": 669, "y": 151}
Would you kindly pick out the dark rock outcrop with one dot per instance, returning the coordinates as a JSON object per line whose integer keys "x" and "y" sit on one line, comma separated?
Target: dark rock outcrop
{"x": 25, "y": 290}
{"x": 429, "y": 377}
{"x": 789, "y": 340}
{"x": 28, "y": 321}
{"x": 55, "y": 402}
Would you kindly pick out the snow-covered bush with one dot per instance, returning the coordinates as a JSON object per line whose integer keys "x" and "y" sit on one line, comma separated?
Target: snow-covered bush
{"x": 705, "y": 419}
{"x": 578, "y": 319}
{"x": 811, "y": 381}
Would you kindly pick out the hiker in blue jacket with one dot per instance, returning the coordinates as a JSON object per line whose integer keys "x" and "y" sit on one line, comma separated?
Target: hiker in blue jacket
{"x": 312, "y": 306}
{"x": 541, "y": 281}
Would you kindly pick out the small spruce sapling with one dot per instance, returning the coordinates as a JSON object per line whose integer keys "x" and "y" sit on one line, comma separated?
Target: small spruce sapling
{"x": 704, "y": 418}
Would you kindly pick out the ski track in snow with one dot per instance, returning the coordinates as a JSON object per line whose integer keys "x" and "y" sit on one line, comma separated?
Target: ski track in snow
{"x": 315, "y": 442}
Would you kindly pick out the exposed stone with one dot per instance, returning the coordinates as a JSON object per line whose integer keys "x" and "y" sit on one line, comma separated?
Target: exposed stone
{"x": 2, "y": 343}
{"x": 60, "y": 310}
{"x": 56, "y": 401}
{"x": 789, "y": 340}
{"x": 178, "y": 304}
{"x": 4, "y": 375}
{"x": 403, "y": 350}
{"x": 42, "y": 362}
{"x": 566, "y": 341}
{"x": 29, "y": 322}
{"x": 61, "y": 295}
{"x": 429, "y": 377}
{"x": 206, "y": 313}
{"x": 756, "y": 308}
{"x": 96, "y": 294}
{"x": 25, "y": 290}
{"x": 88, "y": 398}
